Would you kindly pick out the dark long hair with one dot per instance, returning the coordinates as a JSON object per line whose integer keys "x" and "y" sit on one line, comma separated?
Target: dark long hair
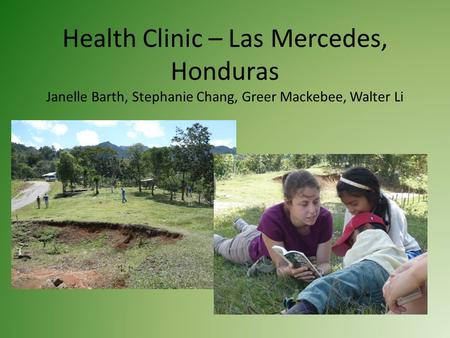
{"x": 374, "y": 195}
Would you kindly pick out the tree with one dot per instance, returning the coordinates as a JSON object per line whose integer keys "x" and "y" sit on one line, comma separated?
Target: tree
{"x": 47, "y": 153}
{"x": 44, "y": 166}
{"x": 192, "y": 155}
{"x": 25, "y": 171}
{"x": 305, "y": 161}
{"x": 158, "y": 159}
{"x": 97, "y": 163}
{"x": 67, "y": 169}
{"x": 28, "y": 162}
{"x": 223, "y": 166}
{"x": 96, "y": 179}
{"x": 136, "y": 153}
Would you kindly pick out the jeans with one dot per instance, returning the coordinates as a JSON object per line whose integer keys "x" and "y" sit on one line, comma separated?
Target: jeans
{"x": 412, "y": 254}
{"x": 357, "y": 285}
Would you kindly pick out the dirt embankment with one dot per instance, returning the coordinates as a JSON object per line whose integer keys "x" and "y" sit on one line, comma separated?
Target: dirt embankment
{"x": 324, "y": 180}
{"x": 80, "y": 269}
{"x": 48, "y": 278}
{"x": 95, "y": 226}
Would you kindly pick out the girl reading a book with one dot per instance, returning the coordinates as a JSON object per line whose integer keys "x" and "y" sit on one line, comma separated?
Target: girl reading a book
{"x": 299, "y": 223}
{"x": 359, "y": 190}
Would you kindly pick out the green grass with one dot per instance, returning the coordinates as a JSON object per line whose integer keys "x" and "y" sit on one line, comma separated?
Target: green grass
{"x": 141, "y": 208}
{"x": 247, "y": 197}
{"x": 249, "y": 189}
{"x": 185, "y": 263}
{"x": 17, "y": 186}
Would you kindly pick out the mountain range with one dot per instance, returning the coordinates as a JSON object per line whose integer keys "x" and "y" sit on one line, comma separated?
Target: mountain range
{"x": 122, "y": 151}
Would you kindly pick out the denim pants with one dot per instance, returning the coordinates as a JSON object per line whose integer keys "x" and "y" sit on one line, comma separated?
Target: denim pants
{"x": 357, "y": 285}
{"x": 413, "y": 254}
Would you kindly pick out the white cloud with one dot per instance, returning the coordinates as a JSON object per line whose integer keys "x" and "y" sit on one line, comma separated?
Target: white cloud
{"x": 132, "y": 134}
{"x": 56, "y": 145}
{"x": 227, "y": 143}
{"x": 15, "y": 139}
{"x": 38, "y": 139}
{"x": 88, "y": 138}
{"x": 54, "y": 127}
{"x": 39, "y": 124}
{"x": 150, "y": 129}
{"x": 103, "y": 123}
{"x": 59, "y": 129}
{"x": 154, "y": 145}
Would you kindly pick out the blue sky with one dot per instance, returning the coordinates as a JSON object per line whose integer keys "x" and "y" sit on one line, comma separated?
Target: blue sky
{"x": 152, "y": 133}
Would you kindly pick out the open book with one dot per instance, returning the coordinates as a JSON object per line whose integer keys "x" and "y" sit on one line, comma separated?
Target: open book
{"x": 296, "y": 258}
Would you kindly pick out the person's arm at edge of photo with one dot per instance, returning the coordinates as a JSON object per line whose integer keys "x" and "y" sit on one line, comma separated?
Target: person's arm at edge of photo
{"x": 323, "y": 257}
{"x": 323, "y": 251}
{"x": 403, "y": 281}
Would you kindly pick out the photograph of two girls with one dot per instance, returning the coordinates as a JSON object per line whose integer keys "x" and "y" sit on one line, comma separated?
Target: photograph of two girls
{"x": 361, "y": 221}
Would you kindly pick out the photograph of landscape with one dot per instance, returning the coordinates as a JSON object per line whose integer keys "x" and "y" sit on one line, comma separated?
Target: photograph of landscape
{"x": 114, "y": 204}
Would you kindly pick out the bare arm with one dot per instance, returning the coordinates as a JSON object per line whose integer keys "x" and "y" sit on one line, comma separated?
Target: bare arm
{"x": 323, "y": 257}
{"x": 283, "y": 269}
{"x": 276, "y": 259}
{"x": 404, "y": 280}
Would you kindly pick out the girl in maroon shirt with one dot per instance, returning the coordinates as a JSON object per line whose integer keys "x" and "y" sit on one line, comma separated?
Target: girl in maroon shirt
{"x": 299, "y": 223}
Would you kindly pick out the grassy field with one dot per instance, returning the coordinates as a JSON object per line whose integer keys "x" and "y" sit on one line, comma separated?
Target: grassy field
{"x": 247, "y": 197}
{"x": 184, "y": 263}
{"x": 17, "y": 186}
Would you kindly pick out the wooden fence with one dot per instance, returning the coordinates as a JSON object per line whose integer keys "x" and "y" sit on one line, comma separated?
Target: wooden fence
{"x": 409, "y": 197}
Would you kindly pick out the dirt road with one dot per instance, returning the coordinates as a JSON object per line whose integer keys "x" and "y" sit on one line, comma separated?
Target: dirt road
{"x": 27, "y": 196}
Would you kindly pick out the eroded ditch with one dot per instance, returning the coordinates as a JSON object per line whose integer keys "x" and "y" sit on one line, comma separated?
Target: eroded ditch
{"x": 76, "y": 254}
{"x": 325, "y": 179}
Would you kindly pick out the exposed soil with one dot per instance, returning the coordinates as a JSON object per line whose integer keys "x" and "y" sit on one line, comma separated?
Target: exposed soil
{"x": 328, "y": 181}
{"x": 53, "y": 278}
{"x": 324, "y": 180}
{"x": 143, "y": 229}
{"x": 36, "y": 266}
{"x": 71, "y": 234}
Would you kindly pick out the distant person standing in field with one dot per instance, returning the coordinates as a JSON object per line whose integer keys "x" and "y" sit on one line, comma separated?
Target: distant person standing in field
{"x": 46, "y": 200}
{"x": 38, "y": 201}
{"x": 124, "y": 197}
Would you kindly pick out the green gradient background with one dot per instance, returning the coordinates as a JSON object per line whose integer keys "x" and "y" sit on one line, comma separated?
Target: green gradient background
{"x": 416, "y": 61}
